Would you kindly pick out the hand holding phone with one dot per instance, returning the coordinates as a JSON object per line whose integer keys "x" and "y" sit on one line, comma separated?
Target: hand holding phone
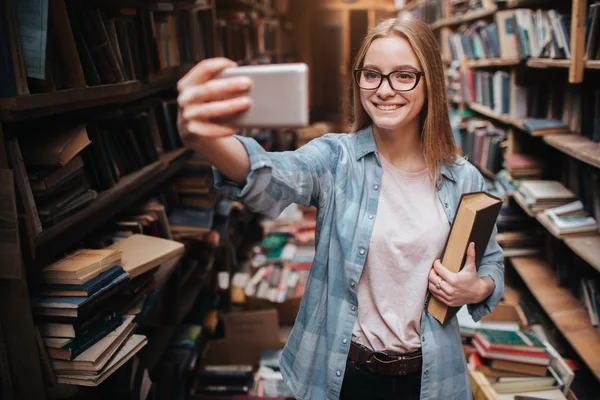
{"x": 216, "y": 97}
{"x": 203, "y": 99}
{"x": 279, "y": 96}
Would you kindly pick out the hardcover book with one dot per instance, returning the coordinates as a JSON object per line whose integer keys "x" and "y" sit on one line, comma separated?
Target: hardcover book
{"x": 474, "y": 222}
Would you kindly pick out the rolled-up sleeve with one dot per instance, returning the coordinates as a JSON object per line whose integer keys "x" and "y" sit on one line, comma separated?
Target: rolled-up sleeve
{"x": 278, "y": 179}
{"x": 491, "y": 265}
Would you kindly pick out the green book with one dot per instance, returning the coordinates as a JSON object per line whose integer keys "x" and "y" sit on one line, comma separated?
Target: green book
{"x": 510, "y": 340}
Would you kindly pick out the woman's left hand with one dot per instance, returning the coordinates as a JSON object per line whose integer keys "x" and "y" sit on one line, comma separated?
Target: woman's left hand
{"x": 464, "y": 287}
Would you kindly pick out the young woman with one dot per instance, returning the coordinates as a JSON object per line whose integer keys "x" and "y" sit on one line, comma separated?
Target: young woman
{"x": 386, "y": 195}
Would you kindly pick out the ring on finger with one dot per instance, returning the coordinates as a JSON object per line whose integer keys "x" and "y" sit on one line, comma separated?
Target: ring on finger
{"x": 439, "y": 284}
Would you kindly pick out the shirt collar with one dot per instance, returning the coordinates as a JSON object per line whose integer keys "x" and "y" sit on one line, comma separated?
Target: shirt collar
{"x": 365, "y": 144}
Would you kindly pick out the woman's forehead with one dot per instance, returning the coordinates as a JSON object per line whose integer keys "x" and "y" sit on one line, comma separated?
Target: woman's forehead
{"x": 391, "y": 52}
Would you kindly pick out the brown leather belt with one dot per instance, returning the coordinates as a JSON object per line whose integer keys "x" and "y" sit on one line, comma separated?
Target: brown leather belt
{"x": 385, "y": 363}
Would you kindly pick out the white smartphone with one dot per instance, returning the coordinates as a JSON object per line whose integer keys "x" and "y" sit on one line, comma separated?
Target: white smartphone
{"x": 279, "y": 93}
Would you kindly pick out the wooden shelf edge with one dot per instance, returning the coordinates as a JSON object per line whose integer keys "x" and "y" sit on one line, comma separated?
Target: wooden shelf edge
{"x": 578, "y": 245}
{"x": 469, "y": 16}
{"x": 109, "y": 202}
{"x": 18, "y": 108}
{"x": 544, "y": 273}
{"x": 488, "y": 112}
{"x": 547, "y": 63}
{"x": 493, "y": 62}
{"x": 592, "y": 64}
{"x": 583, "y": 142}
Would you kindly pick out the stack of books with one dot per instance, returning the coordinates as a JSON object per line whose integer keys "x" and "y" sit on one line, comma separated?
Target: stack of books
{"x": 538, "y": 195}
{"x": 78, "y": 308}
{"x": 514, "y": 361}
{"x": 523, "y": 166}
{"x": 569, "y": 219}
{"x": 200, "y": 208}
{"x": 88, "y": 302}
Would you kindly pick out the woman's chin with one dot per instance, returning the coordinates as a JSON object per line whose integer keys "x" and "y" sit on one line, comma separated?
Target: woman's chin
{"x": 388, "y": 123}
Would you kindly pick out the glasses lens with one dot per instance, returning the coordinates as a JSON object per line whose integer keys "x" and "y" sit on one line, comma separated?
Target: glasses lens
{"x": 403, "y": 80}
{"x": 368, "y": 80}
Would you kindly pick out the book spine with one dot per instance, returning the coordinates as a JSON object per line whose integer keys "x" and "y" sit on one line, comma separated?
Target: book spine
{"x": 14, "y": 152}
{"x": 78, "y": 346}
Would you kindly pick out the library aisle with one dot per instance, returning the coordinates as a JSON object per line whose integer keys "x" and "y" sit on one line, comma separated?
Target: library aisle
{"x": 126, "y": 274}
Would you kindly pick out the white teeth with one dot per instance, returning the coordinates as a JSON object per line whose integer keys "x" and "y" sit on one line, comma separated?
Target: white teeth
{"x": 387, "y": 107}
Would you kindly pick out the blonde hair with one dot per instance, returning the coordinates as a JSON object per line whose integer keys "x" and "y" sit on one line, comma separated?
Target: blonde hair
{"x": 436, "y": 134}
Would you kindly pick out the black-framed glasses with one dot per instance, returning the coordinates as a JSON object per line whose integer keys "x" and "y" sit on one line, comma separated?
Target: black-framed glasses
{"x": 400, "y": 81}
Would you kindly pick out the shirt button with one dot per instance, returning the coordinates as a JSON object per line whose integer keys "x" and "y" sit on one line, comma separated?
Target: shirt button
{"x": 426, "y": 372}
{"x": 353, "y": 308}
{"x": 370, "y": 216}
{"x": 345, "y": 341}
{"x": 338, "y": 373}
{"x": 352, "y": 284}
{"x": 361, "y": 252}
{"x": 375, "y": 187}
{"x": 446, "y": 205}
{"x": 422, "y": 338}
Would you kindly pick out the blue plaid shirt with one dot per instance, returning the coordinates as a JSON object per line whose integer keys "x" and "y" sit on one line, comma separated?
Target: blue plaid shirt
{"x": 340, "y": 174}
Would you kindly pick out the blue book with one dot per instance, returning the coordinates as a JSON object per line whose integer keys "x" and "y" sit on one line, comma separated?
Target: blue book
{"x": 84, "y": 290}
{"x": 72, "y": 306}
{"x": 543, "y": 125}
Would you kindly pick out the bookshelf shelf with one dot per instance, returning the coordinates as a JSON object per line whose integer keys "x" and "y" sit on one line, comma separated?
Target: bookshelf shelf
{"x": 524, "y": 3}
{"x": 39, "y": 105}
{"x": 488, "y": 112}
{"x": 521, "y": 202}
{"x": 578, "y": 147}
{"x": 493, "y": 62}
{"x": 592, "y": 64}
{"x": 548, "y": 63}
{"x": 461, "y": 19}
{"x": 569, "y": 316}
{"x": 587, "y": 248}
{"x": 21, "y": 107}
{"x": 131, "y": 188}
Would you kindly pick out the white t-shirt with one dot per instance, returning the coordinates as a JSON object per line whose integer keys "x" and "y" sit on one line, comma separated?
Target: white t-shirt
{"x": 409, "y": 234}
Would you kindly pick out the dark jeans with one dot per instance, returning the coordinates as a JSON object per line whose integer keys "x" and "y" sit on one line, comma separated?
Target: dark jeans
{"x": 362, "y": 384}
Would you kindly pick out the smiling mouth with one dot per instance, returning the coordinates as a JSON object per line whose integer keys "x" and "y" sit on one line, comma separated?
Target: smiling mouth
{"x": 387, "y": 107}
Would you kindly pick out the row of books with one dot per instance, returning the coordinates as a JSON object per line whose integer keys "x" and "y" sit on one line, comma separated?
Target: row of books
{"x": 514, "y": 34}
{"x": 88, "y": 45}
{"x": 483, "y": 143}
{"x": 560, "y": 107}
{"x": 63, "y": 168}
{"x": 246, "y": 36}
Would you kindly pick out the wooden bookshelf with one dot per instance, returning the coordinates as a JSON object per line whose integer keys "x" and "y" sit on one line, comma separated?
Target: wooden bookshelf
{"x": 52, "y": 241}
{"x": 548, "y": 63}
{"x": 592, "y": 64}
{"x": 488, "y": 112}
{"x": 22, "y": 107}
{"x": 578, "y": 147}
{"x": 461, "y": 19}
{"x": 587, "y": 248}
{"x": 493, "y": 62}
{"x": 567, "y": 313}
{"x": 40, "y": 105}
{"x": 521, "y": 202}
